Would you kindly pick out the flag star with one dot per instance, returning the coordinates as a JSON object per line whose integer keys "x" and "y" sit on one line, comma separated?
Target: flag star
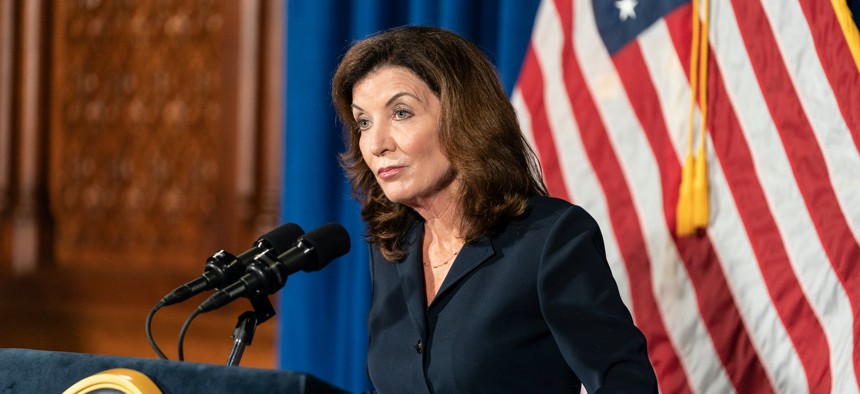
{"x": 626, "y": 9}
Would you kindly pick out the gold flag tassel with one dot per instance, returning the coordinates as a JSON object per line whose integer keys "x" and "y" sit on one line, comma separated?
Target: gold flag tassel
{"x": 692, "y": 210}
{"x": 701, "y": 208}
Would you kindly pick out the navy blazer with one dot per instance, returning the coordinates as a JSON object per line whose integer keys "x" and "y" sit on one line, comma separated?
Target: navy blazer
{"x": 533, "y": 309}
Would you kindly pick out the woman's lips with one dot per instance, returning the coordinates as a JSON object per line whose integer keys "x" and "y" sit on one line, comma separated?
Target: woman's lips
{"x": 386, "y": 173}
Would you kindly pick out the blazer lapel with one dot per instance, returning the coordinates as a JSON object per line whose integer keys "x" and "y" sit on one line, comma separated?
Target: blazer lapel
{"x": 412, "y": 279}
{"x": 412, "y": 273}
{"x": 469, "y": 258}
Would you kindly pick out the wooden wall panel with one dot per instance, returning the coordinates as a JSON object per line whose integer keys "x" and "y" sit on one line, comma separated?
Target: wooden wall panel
{"x": 138, "y": 130}
{"x": 143, "y": 136}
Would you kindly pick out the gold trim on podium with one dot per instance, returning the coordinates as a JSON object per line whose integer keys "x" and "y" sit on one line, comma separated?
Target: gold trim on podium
{"x": 127, "y": 381}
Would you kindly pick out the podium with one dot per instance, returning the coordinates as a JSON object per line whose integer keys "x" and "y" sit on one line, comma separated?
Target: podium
{"x": 38, "y": 371}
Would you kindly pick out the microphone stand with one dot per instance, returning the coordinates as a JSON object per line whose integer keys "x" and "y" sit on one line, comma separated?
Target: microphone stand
{"x": 243, "y": 334}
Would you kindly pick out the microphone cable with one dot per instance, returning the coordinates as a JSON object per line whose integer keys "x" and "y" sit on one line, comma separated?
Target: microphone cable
{"x": 183, "y": 331}
{"x": 149, "y": 331}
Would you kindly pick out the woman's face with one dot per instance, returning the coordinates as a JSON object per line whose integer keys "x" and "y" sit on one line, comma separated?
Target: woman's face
{"x": 398, "y": 118}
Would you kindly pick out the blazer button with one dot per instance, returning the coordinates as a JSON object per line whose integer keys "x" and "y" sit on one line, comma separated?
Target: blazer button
{"x": 419, "y": 347}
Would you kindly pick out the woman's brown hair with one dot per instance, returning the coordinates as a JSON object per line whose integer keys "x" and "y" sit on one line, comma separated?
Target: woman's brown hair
{"x": 478, "y": 131}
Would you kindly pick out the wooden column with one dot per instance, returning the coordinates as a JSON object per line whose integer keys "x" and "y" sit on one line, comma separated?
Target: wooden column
{"x": 31, "y": 241}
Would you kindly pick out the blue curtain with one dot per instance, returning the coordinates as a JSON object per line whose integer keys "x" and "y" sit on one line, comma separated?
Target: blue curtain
{"x": 322, "y": 321}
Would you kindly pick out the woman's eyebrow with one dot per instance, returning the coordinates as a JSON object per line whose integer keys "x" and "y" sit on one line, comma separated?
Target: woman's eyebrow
{"x": 391, "y": 100}
{"x": 398, "y": 95}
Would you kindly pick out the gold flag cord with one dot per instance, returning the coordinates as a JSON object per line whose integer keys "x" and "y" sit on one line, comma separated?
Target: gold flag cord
{"x": 849, "y": 29}
{"x": 693, "y": 206}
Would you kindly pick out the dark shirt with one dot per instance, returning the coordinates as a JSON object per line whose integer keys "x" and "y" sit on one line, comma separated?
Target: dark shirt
{"x": 534, "y": 308}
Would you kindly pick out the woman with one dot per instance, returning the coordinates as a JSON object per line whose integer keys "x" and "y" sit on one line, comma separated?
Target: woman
{"x": 481, "y": 283}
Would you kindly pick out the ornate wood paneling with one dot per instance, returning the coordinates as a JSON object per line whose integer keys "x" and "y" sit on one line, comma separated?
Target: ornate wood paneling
{"x": 136, "y": 156}
{"x": 136, "y": 139}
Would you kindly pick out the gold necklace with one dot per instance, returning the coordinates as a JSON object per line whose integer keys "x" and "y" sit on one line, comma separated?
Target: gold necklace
{"x": 448, "y": 260}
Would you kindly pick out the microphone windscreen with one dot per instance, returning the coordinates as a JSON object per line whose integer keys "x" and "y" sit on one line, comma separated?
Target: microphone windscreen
{"x": 283, "y": 238}
{"x": 329, "y": 241}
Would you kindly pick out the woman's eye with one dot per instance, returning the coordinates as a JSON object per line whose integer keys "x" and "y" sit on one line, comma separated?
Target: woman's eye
{"x": 400, "y": 113}
{"x": 363, "y": 124}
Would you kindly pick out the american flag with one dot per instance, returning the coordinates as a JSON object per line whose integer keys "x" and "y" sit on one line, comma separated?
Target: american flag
{"x": 767, "y": 297}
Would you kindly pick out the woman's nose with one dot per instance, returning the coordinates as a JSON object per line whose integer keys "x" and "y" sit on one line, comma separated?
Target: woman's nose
{"x": 380, "y": 139}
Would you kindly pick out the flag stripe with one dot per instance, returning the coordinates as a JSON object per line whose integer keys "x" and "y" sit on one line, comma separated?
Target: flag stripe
{"x": 593, "y": 106}
{"x": 531, "y": 86}
{"x": 532, "y": 103}
{"x": 617, "y": 123}
{"x": 719, "y": 312}
{"x": 737, "y": 163}
{"x": 660, "y": 347}
{"x": 839, "y": 65}
{"x": 761, "y": 228}
{"x": 774, "y": 341}
{"x": 629, "y": 63}
{"x": 574, "y": 166}
{"x": 773, "y": 172}
{"x": 840, "y": 151}
{"x": 794, "y": 128}
{"x": 763, "y": 300}
{"x": 670, "y": 79}
{"x": 804, "y": 154}
{"x": 808, "y": 76}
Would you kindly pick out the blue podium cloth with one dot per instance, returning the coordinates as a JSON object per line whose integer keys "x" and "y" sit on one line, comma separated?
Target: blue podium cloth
{"x": 37, "y": 371}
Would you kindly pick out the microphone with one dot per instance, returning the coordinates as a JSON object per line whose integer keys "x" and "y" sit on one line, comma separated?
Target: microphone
{"x": 223, "y": 268}
{"x": 268, "y": 272}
